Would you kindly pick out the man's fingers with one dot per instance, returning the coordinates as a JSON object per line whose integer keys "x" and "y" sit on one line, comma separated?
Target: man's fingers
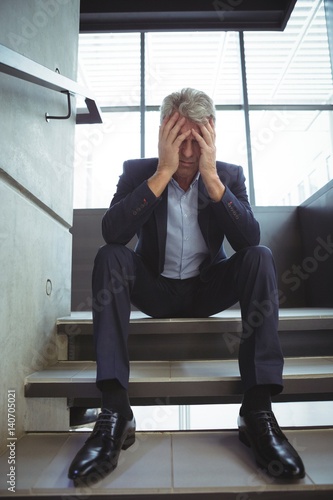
{"x": 163, "y": 125}
{"x": 211, "y": 128}
{"x": 169, "y": 121}
{"x": 208, "y": 133}
{"x": 171, "y": 126}
{"x": 202, "y": 140}
{"x": 181, "y": 138}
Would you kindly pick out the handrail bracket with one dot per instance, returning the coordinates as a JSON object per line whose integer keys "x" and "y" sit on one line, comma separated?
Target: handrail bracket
{"x": 69, "y": 112}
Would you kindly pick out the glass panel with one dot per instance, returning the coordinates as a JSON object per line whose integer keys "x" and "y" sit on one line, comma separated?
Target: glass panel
{"x": 100, "y": 151}
{"x": 207, "y": 61}
{"x": 154, "y": 418}
{"x": 292, "y": 154}
{"x": 293, "y": 66}
{"x": 151, "y": 138}
{"x": 224, "y": 416}
{"x": 109, "y": 65}
{"x": 230, "y": 138}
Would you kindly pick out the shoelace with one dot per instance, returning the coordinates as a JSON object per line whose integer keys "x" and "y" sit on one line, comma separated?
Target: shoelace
{"x": 267, "y": 423}
{"x": 104, "y": 423}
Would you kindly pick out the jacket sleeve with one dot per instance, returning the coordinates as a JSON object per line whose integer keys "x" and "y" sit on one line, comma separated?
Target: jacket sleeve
{"x": 131, "y": 206}
{"x": 235, "y": 216}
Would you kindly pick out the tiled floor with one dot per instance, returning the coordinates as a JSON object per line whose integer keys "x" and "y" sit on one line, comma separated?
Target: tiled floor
{"x": 164, "y": 462}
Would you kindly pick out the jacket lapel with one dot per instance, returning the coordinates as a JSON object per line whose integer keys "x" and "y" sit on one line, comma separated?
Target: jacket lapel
{"x": 161, "y": 218}
{"x": 203, "y": 211}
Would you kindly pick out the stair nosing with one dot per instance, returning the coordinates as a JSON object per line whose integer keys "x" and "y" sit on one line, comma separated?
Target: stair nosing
{"x": 179, "y": 384}
{"x": 294, "y": 319}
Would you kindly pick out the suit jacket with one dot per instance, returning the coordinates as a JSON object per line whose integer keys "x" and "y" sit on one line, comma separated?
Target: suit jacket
{"x": 135, "y": 210}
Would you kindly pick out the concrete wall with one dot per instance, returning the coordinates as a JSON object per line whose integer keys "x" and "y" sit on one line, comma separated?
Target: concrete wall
{"x": 36, "y": 165}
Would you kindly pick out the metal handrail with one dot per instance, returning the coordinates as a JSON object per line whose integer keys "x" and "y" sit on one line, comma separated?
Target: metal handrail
{"x": 15, "y": 64}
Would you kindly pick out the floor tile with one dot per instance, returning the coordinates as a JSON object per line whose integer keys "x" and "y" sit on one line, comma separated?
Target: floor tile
{"x": 149, "y": 370}
{"x": 216, "y": 460}
{"x": 87, "y": 374}
{"x": 61, "y": 370}
{"x": 33, "y": 453}
{"x": 316, "y": 450}
{"x": 146, "y": 465}
{"x": 207, "y": 369}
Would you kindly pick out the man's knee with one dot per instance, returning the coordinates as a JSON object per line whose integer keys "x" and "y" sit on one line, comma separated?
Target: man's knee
{"x": 114, "y": 268}
{"x": 113, "y": 253}
{"x": 259, "y": 253}
{"x": 259, "y": 258}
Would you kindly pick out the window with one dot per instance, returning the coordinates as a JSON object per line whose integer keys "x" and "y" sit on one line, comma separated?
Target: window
{"x": 109, "y": 65}
{"x": 289, "y": 148}
{"x": 278, "y": 126}
{"x": 289, "y": 83}
{"x": 208, "y": 61}
{"x": 100, "y": 151}
{"x": 293, "y": 66}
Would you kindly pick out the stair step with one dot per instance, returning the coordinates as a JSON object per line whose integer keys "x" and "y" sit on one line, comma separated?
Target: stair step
{"x": 171, "y": 465}
{"x": 179, "y": 379}
{"x": 303, "y": 332}
{"x": 226, "y": 321}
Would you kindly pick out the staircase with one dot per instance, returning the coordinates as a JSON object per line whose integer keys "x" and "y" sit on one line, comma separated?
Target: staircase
{"x": 180, "y": 362}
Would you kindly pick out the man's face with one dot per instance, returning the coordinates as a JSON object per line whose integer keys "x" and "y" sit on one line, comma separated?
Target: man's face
{"x": 189, "y": 151}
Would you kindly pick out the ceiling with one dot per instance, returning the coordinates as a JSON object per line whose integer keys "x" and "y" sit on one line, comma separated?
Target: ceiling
{"x": 173, "y": 15}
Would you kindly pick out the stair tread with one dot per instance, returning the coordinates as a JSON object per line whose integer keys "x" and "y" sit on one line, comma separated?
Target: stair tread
{"x": 187, "y": 378}
{"x": 167, "y": 463}
{"x": 229, "y": 320}
{"x": 80, "y": 371}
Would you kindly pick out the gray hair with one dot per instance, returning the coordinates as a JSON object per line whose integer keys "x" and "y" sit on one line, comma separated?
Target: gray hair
{"x": 193, "y": 104}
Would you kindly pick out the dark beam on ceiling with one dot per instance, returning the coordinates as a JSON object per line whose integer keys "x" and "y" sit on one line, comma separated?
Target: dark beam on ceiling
{"x": 180, "y": 15}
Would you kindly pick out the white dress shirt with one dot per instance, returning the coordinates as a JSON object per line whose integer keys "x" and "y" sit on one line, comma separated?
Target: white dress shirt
{"x": 185, "y": 246}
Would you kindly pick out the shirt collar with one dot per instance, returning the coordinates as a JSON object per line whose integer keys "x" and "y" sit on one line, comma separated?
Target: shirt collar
{"x": 193, "y": 183}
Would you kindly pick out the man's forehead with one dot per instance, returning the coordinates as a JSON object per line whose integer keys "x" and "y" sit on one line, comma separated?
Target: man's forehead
{"x": 189, "y": 124}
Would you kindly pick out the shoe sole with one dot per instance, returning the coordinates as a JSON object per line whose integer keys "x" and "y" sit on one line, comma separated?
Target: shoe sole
{"x": 243, "y": 438}
{"x": 129, "y": 440}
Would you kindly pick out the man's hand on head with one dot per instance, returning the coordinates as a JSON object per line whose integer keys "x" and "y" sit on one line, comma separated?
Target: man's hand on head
{"x": 169, "y": 142}
{"x": 206, "y": 141}
{"x": 207, "y": 163}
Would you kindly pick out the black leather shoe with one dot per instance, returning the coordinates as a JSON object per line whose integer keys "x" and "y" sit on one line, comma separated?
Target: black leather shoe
{"x": 82, "y": 416}
{"x": 272, "y": 450}
{"x": 99, "y": 455}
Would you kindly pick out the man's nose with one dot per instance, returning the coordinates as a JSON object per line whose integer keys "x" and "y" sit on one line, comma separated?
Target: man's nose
{"x": 187, "y": 148}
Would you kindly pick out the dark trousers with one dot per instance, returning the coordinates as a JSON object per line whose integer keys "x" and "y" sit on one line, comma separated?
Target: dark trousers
{"x": 121, "y": 278}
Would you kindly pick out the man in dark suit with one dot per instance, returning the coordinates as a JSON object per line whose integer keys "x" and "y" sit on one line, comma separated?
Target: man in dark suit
{"x": 181, "y": 206}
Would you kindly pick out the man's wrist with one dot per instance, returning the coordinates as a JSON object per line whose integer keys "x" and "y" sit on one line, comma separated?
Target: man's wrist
{"x": 217, "y": 195}
{"x": 215, "y": 188}
{"x": 158, "y": 182}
